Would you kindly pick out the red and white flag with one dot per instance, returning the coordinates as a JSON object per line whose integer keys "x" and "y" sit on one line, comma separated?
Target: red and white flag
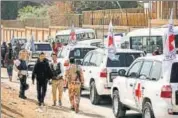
{"x": 72, "y": 38}
{"x": 111, "y": 44}
{"x": 169, "y": 43}
{"x": 110, "y": 36}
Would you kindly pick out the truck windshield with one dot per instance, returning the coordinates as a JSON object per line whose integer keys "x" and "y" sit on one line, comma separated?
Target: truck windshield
{"x": 123, "y": 59}
{"x": 42, "y": 47}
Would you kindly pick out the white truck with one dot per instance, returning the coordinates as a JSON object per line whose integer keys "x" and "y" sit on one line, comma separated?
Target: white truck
{"x": 147, "y": 89}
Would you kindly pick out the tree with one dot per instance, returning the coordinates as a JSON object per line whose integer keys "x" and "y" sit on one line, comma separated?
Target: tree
{"x": 33, "y": 12}
{"x": 100, "y": 5}
{"x": 9, "y": 9}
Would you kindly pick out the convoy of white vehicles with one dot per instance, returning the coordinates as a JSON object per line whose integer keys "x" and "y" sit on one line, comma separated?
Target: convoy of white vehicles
{"x": 99, "y": 70}
{"x": 146, "y": 88}
{"x": 134, "y": 81}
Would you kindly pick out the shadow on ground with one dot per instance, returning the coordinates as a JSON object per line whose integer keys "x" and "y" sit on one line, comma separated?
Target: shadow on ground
{"x": 11, "y": 110}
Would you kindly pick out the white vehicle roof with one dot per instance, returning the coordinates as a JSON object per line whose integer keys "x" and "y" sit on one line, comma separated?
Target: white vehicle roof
{"x": 154, "y": 32}
{"x": 89, "y": 42}
{"x": 77, "y": 31}
{"x": 41, "y": 43}
{"x": 156, "y": 58}
{"x": 79, "y": 46}
{"x": 120, "y": 50}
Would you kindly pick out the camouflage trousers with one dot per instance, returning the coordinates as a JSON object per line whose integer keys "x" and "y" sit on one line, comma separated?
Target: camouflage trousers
{"x": 74, "y": 94}
{"x": 57, "y": 84}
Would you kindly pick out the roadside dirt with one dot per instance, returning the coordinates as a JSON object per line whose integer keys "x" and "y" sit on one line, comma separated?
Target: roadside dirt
{"x": 14, "y": 107}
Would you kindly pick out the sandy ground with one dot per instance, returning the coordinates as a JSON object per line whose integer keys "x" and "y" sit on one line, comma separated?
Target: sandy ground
{"x": 14, "y": 107}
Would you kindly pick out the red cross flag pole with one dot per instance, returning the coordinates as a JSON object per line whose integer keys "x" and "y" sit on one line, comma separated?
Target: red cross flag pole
{"x": 111, "y": 44}
{"x": 169, "y": 44}
{"x": 72, "y": 38}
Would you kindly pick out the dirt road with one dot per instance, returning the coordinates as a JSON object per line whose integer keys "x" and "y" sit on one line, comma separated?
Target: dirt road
{"x": 87, "y": 110}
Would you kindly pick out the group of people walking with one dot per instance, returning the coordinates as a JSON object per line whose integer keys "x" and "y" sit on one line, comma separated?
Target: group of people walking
{"x": 45, "y": 72}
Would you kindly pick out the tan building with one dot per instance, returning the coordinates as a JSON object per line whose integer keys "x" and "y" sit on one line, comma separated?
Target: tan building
{"x": 163, "y": 8}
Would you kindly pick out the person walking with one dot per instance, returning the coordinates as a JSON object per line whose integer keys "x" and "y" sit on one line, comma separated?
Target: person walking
{"x": 42, "y": 73}
{"x": 57, "y": 79}
{"x": 9, "y": 61}
{"x": 75, "y": 79}
{"x": 21, "y": 65}
{"x": 3, "y": 53}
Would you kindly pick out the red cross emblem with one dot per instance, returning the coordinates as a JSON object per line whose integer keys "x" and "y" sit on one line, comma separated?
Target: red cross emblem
{"x": 111, "y": 42}
{"x": 138, "y": 92}
{"x": 72, "y": 34}
{"x": 171, "y": 39}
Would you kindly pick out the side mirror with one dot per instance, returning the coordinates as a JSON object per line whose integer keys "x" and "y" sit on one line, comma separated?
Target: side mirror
{"x": 122, "y": 72}
{"x": 134, "y": 75}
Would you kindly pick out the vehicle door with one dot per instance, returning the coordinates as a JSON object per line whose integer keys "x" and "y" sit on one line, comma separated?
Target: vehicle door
{"x": 96, "y": 68}
{"x": 132, "y": 76}
{"x": 86, "y": 67}
{"x": 174, "y": 86}
{"x": 113, "y": 66}
{"x": 139, "y": 88}
{"x": 62, "y": 58}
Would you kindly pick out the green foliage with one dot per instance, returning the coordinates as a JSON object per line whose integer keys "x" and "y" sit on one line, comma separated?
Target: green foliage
{"x": 9, "y": 9}
{"x": 100, "y": 5}
{"x": 33, "y": 12}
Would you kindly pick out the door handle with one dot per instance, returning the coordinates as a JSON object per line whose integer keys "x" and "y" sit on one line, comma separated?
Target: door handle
{"x": 143, "y": 87}
{"x": 90, "y": 71}
{"x": 131, "y": 85}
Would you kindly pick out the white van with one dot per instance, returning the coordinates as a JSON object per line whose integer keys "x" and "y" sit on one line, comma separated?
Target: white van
{"x": 141, "y": 39}
{"x": 144, "y": 87}
{"x": 81, "y": 34}
{"x": 39, "y": 47}
{"x": 99, "y": 70}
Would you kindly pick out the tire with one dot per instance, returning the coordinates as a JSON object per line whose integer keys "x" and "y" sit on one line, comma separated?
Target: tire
{"x": 118, "y": 108}
{"x": 94, "y": 97}
{"x": 147, "y": 110}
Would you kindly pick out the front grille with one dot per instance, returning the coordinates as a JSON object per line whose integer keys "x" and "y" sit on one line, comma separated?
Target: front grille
{"x": 176, "y": 94}
{"x": 112, "y": 75}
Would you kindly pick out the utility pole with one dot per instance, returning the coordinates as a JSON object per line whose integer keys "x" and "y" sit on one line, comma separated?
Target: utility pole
{"x": 149, "y": 11}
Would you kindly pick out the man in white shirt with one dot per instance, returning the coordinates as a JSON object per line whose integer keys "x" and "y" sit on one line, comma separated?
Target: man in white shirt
{"x": 57, "y": 79}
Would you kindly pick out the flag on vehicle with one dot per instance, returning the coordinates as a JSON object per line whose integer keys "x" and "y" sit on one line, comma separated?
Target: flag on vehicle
{"x": 12, "y": 40}
{"x": 111, "y": 44}
{"x": 32, "y": 44}
{"x": 169, "y": 43}
{"x": 72, "y": 38}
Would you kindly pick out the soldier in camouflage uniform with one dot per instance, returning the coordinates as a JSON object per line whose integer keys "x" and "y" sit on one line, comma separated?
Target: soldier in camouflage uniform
{"x": 74, "y": 78}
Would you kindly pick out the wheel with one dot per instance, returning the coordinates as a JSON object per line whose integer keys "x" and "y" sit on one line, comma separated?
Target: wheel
{"x": 94, "y": 97}
{"x": 147, "y": 111}
{"x": 118, "y": 108}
